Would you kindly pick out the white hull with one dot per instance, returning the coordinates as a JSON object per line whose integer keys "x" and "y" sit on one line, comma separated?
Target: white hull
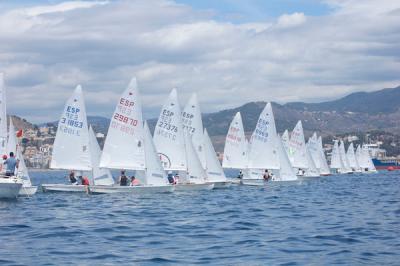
{"x": 9, "y": 188}
{"x": 191, "y": 187}
{"x": 235, "y": 181}
{"x": 253, "y": 182}
{"x": 64, "y": 188}
{"x": 133, "y": 189}
{"x": 28, "y": 191}
{"x": 308, "y": 177}
{"x": 221, "y": 184}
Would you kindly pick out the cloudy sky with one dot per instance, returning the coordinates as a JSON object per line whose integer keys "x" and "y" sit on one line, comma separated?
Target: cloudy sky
{"x": 228, "y": 51}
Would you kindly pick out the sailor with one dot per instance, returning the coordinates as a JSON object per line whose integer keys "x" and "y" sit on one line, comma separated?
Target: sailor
{"x": 134, "y": 181}
{"x": 72, "y": 178}
{"x": 240, "y": 176}
{"x": 84, "y": 180}
{"x": 267, "y": 176}
{"x": 176, "y": 178}
{"x": 12, "y": 164}
{"x": 171, "y": 178}
{"x": 123, "y": 179}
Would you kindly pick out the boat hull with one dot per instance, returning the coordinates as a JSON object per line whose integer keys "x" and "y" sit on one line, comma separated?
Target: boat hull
{"x": 308, "y": 177}
{"x": 191, "y": 187}
{"x": 253, "y": 182}
{"x": 9, "y": 188}
{"x": 64, "y": 188}
{"x": 132, "y": 189}
{"x": 28, "y": 191}
{"x": 221, "y": 184}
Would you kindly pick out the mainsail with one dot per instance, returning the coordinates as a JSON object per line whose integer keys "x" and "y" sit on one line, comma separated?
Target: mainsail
{"x": 193, "y": 125}
{"x": 264, "y": 145}
{"x": 168, "y": 135}
{"x": 297, "y": 147}
{"x": 124, "y": 148}
{"x": 351, "y": 156}
{"x": 336, "y": 160}
{"x": 343, "y": 155}
{"x": 71, "y": 146}
{"x": 3, "y": 117}
{"x": 236, "y": 145}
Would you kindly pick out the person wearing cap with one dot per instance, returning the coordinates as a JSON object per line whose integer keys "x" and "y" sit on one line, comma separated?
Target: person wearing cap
{"x": 12, "y": 164}
{"x": 123, "y": 179}
{"x": 171, "y": 178}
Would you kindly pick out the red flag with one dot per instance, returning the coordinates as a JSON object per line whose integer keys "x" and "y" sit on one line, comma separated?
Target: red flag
{"x": 19, "y": 133}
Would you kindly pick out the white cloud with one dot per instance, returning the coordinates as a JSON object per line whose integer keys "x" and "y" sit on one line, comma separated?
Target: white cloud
{"x": 46, "y": 50}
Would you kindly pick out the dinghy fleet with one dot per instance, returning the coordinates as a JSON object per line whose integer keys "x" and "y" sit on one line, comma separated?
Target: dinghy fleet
{"x": 179, "y": 147}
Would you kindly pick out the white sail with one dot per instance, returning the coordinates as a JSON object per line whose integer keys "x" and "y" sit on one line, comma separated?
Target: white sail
{"x": 351, "y": 156}
{"x": 312, "y": 169}
{"x": 12, "y": 139}
{"x": 3, "y": 117}
{"x": 285, "y": 140}
{"x": 124, "y": 148}
{"x": 365, "y": 159}
{"x": 193, "y": 125}
{"x": 214, "y": 170}
{"x": 195, "y": 172}
{"x": 324, "y": 169}
{"x": 286, "y": 172}
{"x": 236, "y": 145}
{"x": 336, "y": 160}
{"x": 100, "y": 176}
{"x": 23, "y": 170}
{"x": 346, "y": 163}
{"x": 154, "y": 173}
{"x": 71, "y": 146}
{"x": 313, "y": 148}
{"x": 297, "y": 147}
{"x": 168, "y": 135}
{"x": 263, "y": 150}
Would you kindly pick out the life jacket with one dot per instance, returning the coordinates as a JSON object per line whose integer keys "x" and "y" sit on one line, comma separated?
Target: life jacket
{"x": 85, "y": 181}
{"x": 135, "y": 182}
{"x": 123, "y": 180}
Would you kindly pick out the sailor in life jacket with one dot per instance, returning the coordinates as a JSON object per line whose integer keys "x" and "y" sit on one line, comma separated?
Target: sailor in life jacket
{"x": 134, "y": 181}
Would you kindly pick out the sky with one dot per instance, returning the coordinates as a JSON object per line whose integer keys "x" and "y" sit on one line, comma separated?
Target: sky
{"x": 229, "y": 52}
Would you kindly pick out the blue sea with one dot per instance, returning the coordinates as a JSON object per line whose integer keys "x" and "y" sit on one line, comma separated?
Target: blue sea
{"x": 335, "y": 220}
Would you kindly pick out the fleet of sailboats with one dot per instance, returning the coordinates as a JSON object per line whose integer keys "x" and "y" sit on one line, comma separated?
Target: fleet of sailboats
{"x": 180, "y": 146}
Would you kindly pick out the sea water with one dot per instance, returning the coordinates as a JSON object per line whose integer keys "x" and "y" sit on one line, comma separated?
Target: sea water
{"x": 349, "y": 219}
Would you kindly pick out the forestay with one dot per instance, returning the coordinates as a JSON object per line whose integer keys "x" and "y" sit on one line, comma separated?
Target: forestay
{"x": 100, "y": 176}
{"x": 168, "y": 135}
{"x": 124, "y": 148}
{"x": 263, "y": 150}
{"x": 3, "y": 116}
{"x": 297, "y": 147}
{"x": 71, "y": 146}
{"x": 193, "y": 125}
{"x": 215, "y": 173}
{"x": 236, "y": 146}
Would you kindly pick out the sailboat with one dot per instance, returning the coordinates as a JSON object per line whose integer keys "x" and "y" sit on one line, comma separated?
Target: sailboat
{"x": 175, "y": 147}
{"x": 129, "y": 146}
{"x": 364, "y": 159}
{"x": 351, "y": 156}
{"x": 71, "y": 149}
{"x": 346, "y": 164}
{"x": 263, "y": 152}
{"x": 299, "y": 155}
{"x": 236, "y": 146}
{"x": 314, "y": 145}
{"x": 22, "y": 171}
{"x": 337, "y": 165}
{"x": 285, "y": 172}
{"x": 10, "y": 186}
{"x": 214, "y": 171}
